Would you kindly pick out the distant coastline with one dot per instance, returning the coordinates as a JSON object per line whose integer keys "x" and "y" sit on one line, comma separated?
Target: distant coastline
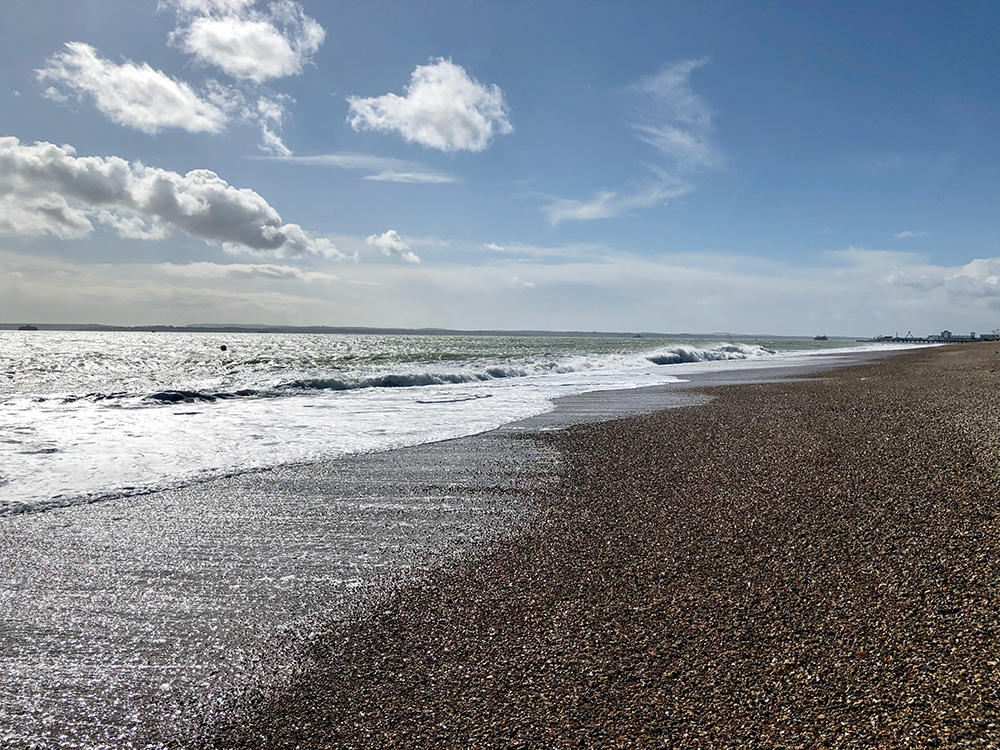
{"x": 235, "y": 328}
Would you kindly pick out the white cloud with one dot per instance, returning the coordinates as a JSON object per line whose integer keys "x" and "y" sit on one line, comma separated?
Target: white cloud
{"x": 246, "y": 43}
{"x": 270, "y": 115}
{"x": 516, "y": 252}
{"x": 271, "y": 141}
{"x": 676, "y": 120}
{"x": 55, "y": 95}
{"x": 202, "y": 7}
{"x": 265, "y": 271}
{"x": 443, "y": 108}
{"x": 47, "y": 189}
{"x": 47, "y": 214}
{"x": 391, "y": 243}
{"x": 412, "y": 178}
{"x": 380, "y": 168}
{"x": 132, "y": 227}
{"x": 608, "y": 204}
{"x": 136, "y": 96}
{"x": 978, "y": 279}
{"x": 906, "y": 234}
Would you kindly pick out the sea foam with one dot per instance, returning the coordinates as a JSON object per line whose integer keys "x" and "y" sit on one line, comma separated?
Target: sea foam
{"x": 689, "y": 354}
{"x": 90, "y": 415}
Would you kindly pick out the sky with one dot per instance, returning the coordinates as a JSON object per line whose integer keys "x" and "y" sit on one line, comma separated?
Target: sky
{"x": 789, "y": 168}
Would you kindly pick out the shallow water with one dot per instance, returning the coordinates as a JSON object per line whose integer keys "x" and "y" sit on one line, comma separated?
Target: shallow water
{"x": 129, "y": 622}
{"x": 85, "y": 415}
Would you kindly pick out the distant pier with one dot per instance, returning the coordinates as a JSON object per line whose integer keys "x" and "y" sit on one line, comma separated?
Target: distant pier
{"x": 932, "y": 339}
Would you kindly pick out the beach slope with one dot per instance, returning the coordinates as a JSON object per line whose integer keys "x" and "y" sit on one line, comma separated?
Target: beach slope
{"x": 796, "y": 564}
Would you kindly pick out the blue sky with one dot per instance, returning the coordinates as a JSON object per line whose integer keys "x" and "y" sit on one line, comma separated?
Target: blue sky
{"x": 786, "y": 168}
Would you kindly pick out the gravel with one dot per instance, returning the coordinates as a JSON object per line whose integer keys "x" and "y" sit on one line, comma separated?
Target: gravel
{"x": 801, "y": 564}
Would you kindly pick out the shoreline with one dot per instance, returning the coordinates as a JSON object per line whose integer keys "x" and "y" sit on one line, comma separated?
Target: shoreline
{"x": 580, "y": 407}
{"x": 127, "y": 620}
{"x": 599, "y": 406}
{"x": 804, "y": 563}
{"x": 231, "y": 560}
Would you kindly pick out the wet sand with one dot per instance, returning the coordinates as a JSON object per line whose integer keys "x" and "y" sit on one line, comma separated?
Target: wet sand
{"x": 795, "y": 564}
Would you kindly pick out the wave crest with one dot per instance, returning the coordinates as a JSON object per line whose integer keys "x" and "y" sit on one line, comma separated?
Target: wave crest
{"x": 405, "y": 380}
{"x": 685, "y": 354}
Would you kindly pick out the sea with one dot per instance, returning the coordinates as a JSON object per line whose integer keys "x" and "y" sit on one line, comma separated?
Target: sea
{"x": 88, "y": 415}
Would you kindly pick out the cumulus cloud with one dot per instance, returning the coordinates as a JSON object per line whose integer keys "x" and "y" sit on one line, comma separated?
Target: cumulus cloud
{"x": 131, "y": 227}
{"x": 380, "y": 168}
{"x": 444, "y": 108}
{"x": 246, "y": 43}
{"x": 266, "y": 271}
{"x": 905, "y": 234}
{"x": 47, "y": 189}
{"x": 136, "y": 96}
{"x": 47, "y": 214}
{"x": 250, "y": 45}
{"x": 391, "y": 243}
{"x": 494, "y": 247}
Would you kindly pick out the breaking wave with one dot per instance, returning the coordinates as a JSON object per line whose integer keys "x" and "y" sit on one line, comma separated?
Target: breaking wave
{"x": 475, "y": 372}
{"x": 407, "y": 380}
{"x": 684, "y": 354}
{"x": 338, "y": 382}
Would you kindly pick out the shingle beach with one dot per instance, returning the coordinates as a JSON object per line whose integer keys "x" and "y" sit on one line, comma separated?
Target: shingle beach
{"x": 798, "y": 564}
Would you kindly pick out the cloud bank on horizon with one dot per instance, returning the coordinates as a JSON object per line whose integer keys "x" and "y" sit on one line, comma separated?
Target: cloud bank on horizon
{"x": 229, "y": 157}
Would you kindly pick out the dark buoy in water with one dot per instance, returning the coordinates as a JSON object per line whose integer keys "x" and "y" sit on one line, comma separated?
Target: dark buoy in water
{"x": 223, "y": 347}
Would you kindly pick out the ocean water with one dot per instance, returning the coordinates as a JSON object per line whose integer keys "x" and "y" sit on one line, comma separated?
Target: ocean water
{"x": 85, "y": 415}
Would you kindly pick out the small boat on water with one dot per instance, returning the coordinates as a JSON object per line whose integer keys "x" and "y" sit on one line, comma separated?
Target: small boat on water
{"x": 820, "y": 338}
{"x": 28, "y": 327}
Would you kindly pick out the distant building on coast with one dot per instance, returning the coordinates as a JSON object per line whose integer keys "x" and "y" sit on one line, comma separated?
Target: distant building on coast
{"x": 945, "y": 337}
